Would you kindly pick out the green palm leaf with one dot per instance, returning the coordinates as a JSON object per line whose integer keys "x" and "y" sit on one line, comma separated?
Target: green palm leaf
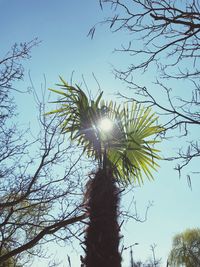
{"x": 128, "y": 149}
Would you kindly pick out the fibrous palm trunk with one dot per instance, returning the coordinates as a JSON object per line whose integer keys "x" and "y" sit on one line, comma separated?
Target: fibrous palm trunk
{"x": 102, "y": 236}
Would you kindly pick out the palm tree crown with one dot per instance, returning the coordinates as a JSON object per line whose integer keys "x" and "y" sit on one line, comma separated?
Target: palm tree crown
{"x": 127, "y": 148}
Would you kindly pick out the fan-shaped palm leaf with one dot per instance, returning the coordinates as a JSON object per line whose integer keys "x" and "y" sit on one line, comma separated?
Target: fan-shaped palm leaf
{"x": 128, "y": 148}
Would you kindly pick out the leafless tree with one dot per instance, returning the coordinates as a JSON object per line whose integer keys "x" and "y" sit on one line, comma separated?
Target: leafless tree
{"x": 164, "y": 46}
{"x": 40, "y": 176}
{"x": 11, "y": 69}
{"x": 152, "y": 262}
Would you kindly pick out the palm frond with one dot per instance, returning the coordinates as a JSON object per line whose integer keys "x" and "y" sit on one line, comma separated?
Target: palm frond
{"x": 129, "y": 147}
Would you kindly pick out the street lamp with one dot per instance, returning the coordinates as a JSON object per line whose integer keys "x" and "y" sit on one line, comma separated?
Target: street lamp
{"x": 135, "y": 244}
{"x": 131, "y": 252}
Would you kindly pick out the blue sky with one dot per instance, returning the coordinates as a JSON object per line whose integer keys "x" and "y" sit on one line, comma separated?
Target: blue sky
{"x": 62, "y": 27}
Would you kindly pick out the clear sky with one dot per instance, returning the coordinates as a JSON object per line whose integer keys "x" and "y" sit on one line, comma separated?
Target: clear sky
{"x": 62, "y": 26}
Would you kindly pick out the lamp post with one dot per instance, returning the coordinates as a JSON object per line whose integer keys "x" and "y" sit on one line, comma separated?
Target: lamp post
{"x": 131, "y": 252}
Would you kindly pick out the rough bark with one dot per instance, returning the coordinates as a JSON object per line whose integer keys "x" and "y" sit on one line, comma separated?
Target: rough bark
{"x": 102, "y": 235}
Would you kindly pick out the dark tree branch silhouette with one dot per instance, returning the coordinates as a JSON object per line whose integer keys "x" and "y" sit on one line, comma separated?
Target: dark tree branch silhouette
{"x": 164, "y": 47}
{"x": 40, "y": 188}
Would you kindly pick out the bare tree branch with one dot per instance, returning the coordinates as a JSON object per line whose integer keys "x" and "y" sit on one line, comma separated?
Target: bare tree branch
{"x": 165, "y": 45}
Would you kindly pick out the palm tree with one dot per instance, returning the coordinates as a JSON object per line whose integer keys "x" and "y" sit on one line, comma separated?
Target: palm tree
{"x": 124, "y": 151}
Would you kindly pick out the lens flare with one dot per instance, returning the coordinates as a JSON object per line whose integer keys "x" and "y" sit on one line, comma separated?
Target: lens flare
{"x": 105, "y": 125}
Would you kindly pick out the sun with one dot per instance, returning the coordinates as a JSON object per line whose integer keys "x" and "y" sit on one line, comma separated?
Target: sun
{"x": 105, "y": 125}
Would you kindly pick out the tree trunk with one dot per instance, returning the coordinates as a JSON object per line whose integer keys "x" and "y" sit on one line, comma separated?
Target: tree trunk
{"x": 102, "y": 235}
